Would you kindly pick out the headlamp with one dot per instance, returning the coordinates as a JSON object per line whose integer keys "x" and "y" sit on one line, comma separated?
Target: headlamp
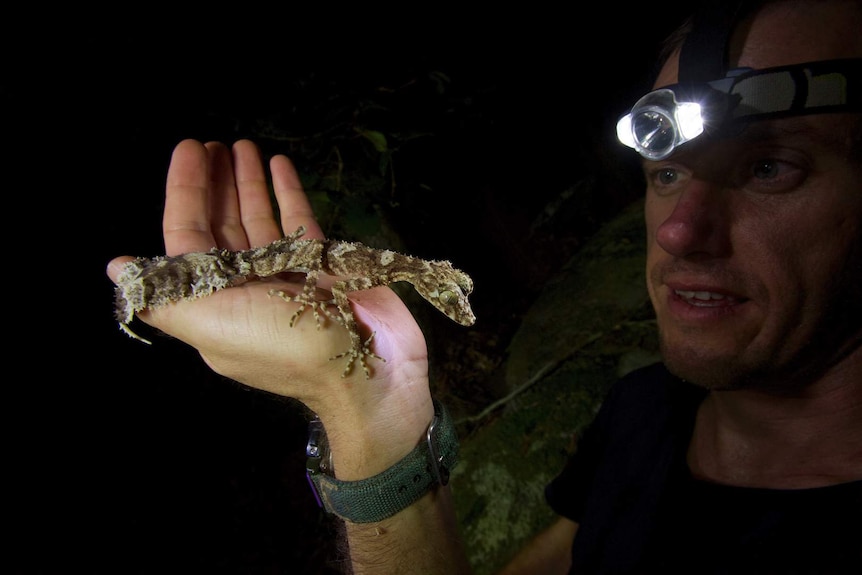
{"x": 658, "y": 123}
{"x": 671, "y": 116}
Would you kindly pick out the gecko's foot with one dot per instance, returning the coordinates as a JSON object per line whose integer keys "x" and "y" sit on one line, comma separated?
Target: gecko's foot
{"x": 327, "y": 306}
{"x": 359, "y": 354}
{"x": 303, "y": 301}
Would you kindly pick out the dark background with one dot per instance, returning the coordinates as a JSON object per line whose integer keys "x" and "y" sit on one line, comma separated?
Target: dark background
{"x": 124, "y": 458}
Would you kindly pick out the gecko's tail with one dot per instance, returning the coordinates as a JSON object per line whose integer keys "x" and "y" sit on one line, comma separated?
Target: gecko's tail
{"x": 125, "y": 327}
{"x": 124, "y": 313}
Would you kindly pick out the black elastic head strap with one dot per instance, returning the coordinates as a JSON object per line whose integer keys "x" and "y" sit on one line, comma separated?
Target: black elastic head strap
{"x": 703, "y": 56}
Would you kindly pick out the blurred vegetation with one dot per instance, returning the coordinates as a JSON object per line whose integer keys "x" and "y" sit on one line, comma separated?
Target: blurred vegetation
{"x": 349, "y": 134}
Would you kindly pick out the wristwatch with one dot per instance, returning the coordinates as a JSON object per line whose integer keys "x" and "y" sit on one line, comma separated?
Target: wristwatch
{"x": 385, "y": 494}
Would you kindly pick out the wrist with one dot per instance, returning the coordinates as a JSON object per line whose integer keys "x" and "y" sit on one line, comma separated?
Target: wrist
{"x": 424, "y": 468}
{"x": 365, "y": 444}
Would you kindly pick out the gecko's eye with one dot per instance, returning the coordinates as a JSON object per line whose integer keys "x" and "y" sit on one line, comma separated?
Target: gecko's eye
{"x": 448, "y": 297}
{"x": 464, "y": 282}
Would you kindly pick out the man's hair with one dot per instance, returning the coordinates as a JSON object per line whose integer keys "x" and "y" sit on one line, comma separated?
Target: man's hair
{"x": 673, "y": 42}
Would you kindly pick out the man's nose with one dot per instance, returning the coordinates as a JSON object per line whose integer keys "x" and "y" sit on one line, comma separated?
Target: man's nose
{"x": 699, "y": 223}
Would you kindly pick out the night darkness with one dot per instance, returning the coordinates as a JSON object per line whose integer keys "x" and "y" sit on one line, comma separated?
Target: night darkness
{"x": 138, "y": 460}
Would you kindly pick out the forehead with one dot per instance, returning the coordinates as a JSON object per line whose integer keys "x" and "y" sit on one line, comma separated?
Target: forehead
{"x": 791, "y": 32}
{"x": 828, "y": 134}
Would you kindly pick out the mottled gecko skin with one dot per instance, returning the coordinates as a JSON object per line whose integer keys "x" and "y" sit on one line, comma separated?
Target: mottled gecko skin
{"x": 151, "y": 283}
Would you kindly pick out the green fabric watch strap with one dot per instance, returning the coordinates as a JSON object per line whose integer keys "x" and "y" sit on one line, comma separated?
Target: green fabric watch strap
{"x": 387, "y": 493}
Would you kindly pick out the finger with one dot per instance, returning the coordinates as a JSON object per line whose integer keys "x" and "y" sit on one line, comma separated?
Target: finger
{"x": 292, "y": 202}
{"x": 115, "y": 266}
{"x": 186, "y": 220}
{"x": 225, "y": 219}
{"x": 255, "y": 204}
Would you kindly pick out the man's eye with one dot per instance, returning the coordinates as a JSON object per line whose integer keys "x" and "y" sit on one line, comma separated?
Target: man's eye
{"x": 664, "y": 179}
{"x": 666, "y": 176}
{"x": 765, "y": 169}
{"x": 772, "y": 175}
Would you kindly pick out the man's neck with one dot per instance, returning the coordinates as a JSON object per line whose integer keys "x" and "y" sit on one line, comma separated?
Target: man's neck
{"x": 757, "y": 439}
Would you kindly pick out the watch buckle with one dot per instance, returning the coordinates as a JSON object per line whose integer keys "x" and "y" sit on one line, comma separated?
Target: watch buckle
{"x": 441, "y": 472}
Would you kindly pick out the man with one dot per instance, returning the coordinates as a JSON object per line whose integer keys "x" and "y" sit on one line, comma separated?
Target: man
{"x": 746, "y": 459}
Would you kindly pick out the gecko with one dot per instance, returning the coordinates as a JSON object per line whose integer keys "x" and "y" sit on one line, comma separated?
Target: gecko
{"x": 149, "y": 283}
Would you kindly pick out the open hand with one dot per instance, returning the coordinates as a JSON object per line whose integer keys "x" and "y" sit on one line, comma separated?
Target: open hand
{"x": 219, "y": 197}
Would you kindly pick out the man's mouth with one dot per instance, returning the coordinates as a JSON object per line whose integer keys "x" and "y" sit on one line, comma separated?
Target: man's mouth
{"x": 705, "y": 298}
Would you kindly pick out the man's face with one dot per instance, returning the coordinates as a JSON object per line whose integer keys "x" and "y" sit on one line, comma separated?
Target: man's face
{"x": 754, "y": 262}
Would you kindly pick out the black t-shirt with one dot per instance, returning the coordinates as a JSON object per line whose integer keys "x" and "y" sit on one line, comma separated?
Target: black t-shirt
{"x": 639, "y": 509}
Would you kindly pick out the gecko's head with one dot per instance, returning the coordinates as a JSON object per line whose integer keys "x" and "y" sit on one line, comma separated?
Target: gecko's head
{"x": 447, "y": 289}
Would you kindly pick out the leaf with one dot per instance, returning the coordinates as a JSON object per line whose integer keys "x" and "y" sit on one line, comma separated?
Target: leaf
{"x": 377, "y": 139}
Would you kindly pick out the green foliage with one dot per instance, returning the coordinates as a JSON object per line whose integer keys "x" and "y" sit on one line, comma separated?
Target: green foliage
{"x": 345, "y": 135}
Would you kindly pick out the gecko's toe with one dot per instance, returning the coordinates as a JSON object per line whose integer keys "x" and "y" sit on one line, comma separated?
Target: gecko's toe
{"x": 361, "y": 354}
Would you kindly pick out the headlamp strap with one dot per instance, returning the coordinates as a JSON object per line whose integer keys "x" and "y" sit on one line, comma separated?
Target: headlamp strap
{"x": 814, "y": 87}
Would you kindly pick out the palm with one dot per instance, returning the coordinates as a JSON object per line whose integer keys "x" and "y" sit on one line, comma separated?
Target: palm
{"x": 244, "y": 332}
{"x": 247, "y": 321}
